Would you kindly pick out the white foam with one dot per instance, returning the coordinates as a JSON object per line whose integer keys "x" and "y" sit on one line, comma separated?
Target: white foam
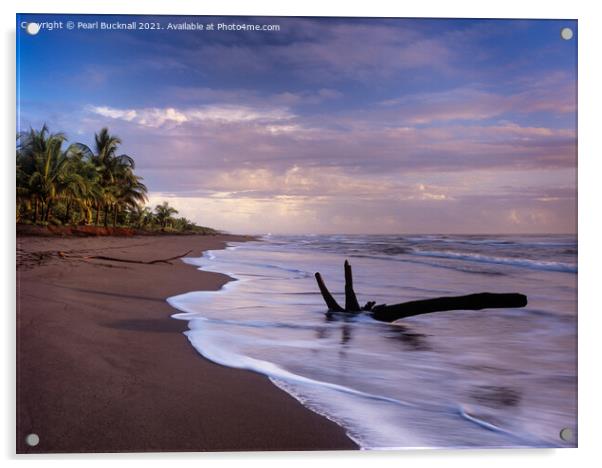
{"x": 219, "y": 355}
{"x": 360, "y": 422}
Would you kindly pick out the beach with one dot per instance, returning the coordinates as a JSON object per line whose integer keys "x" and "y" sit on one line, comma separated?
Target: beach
{"x": 102, "y": 367}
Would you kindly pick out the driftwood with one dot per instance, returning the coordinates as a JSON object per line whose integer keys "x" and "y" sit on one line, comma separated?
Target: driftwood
{"x": 330, "y": 301}
{"x": 351, "y": 303}
{"x": 390, "y": 313}
{"x": 486, "y": 300}
{"x": 124, "y": 260}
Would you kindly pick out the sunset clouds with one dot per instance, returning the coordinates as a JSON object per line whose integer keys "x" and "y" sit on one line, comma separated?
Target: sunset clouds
{"x": 333, "y": 125}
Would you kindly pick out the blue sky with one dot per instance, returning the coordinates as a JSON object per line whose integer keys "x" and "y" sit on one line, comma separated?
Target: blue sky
{"x": 327, "y": 125}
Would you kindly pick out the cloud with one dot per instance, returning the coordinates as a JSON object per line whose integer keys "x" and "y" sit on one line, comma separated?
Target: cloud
{"x": 251, "y": 97}
{"x": 474, "y": 103}
{"x": 228, "y": 114}
{"x": 313, "y": 182}
{"x": 307, "y": 97}
{"x": 315, "y": 51}
{"x": 256, "y": 213}
{"x": 371, "y": 140}
{"x": 123, "y": 114}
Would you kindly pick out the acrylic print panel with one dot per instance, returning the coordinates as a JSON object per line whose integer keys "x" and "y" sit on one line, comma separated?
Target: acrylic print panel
{"x": 181, "y": 179}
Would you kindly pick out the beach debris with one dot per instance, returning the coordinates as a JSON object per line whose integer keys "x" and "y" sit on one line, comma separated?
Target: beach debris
{"x": 332, "y": 304}
{"x": 124, "y": 260}
{"x": 351, "y": 303}
{"x": 390, "y": 313}
{"x": 26, "y": 260}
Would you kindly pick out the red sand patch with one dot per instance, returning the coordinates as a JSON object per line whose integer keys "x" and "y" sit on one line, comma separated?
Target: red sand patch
{"x": 84, "y": 231}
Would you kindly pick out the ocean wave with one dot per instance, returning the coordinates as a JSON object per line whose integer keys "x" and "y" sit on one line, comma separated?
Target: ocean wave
{"x": 221, "y": 356}
{"x": 492, "y": 242}
{"x": 240, "y": 323}
{"x": 517, "y": 262}
{"x": 210, "y": 256}
{"x": 455, "y": 267}
{"x": 434, "y": 239}
{"x": 286, "y": 380}
{"x": 520, "y": 439}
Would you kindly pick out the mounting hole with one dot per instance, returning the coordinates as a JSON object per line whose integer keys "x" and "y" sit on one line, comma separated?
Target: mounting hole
{"x": 566, "y": 434}
{"x": 32, "y": 28}
{"x": 566, "y": 34}
{"x": 32, "y": 440}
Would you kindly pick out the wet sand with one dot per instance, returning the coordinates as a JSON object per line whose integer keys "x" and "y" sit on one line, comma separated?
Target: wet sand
{"x": 101, "y": 366}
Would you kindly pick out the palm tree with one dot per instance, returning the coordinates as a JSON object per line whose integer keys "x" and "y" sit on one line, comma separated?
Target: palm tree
{"x": 79, "y": 185}
{"x": 183, "y": 224}
{"x": 129, "y": 192}
{"x": 41, "y": 164}
{"x": 147, "y": 218}
{"x": 110, "y": 166}
{"x": 163, "y": 214}
{"x": 30, "y": 146}
{"x": 139, "y": 216}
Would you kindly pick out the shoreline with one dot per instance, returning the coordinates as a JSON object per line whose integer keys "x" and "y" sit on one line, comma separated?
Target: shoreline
{"x": 102, "y": 366}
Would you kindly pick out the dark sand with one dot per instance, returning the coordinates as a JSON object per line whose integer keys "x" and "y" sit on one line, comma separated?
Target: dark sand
{"x": 101, "y": 366}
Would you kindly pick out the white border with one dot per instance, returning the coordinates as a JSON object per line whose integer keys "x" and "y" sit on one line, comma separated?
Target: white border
{"x": 590, "y": 173}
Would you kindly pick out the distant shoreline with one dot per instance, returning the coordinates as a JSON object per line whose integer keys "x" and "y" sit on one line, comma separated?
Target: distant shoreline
{"x": 102, "y": 367}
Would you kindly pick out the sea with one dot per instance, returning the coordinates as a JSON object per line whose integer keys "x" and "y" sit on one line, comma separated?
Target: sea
{"x": 455, "y": 379}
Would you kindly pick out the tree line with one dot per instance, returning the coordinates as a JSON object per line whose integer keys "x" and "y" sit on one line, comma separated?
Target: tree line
{"x": 73, "y": 184}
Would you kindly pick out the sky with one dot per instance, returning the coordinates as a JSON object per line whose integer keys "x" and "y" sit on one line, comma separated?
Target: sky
{"x": 326, "y": 125}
